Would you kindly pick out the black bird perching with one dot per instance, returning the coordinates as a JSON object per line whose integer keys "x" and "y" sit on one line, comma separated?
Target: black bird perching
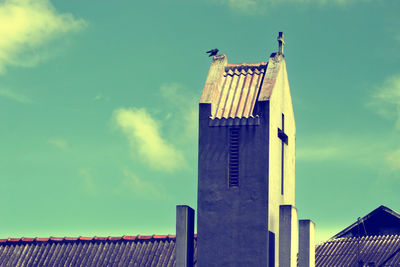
{"x": 281, "y": 42}
{"x": 213, "y": 52}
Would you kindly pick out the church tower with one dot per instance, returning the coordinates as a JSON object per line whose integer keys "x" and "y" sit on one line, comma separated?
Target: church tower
{"x": 246, "y": 182}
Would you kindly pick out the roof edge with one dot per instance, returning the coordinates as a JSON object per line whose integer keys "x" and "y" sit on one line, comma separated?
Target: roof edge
{"x": 366, "y": 217}
{"x": 271, "y": 74}
{"x": 354, "y": 238}
{"x": 95, "y": 238}
{"x": 217, "y": 67}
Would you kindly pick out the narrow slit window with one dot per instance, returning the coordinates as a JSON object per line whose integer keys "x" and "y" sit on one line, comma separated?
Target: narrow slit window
{"x": 234, "y": 157}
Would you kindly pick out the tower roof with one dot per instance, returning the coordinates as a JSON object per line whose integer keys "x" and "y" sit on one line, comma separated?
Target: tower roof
{"x": 233, "y": 89}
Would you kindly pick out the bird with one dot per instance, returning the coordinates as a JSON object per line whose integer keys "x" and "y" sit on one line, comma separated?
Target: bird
{"x": 213, "y": 52}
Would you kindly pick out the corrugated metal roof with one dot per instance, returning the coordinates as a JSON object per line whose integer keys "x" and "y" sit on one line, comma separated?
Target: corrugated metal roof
{"x": 159, "y": 250}
{"x": 380, "y": 221}
{"x": 381, "y": 250}
{"x": 90, "y": 251}
{"x": 238, "y": 90}
{"x": 234, "y": 89}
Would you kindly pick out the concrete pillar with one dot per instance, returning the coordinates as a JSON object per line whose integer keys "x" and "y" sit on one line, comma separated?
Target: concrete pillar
{"x": 184, "y": 236}
{"x": 288, "y": 236}
{"x": 306, "y": 243}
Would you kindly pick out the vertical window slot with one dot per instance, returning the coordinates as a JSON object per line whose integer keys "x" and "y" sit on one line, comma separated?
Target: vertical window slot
{"x": 234, "y": 157}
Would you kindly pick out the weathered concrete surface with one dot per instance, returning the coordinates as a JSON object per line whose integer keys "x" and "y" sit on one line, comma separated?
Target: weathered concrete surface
{"x": 306, "y": 243}
{"x": 232, "y": 89}
{"x": 212, "y": 86}
{"x": 234, "y": 222}
{"x": 184, "y": 236}
{"x": 280, "y": 103}
{"x": 288, "y": 236}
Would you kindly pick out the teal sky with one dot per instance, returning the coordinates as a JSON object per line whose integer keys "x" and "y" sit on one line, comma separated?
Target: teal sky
{"x": 98, "y": 107}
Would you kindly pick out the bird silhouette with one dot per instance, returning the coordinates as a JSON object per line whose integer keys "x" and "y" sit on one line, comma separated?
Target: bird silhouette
{"x": 213, "y": 52}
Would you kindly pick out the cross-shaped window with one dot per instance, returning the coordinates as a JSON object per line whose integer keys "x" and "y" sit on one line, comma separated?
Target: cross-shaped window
{"x": 282, "y": 135}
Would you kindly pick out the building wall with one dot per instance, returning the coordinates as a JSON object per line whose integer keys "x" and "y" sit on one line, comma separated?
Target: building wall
{"x": 280, "y": 102}
{"x": 232, "y": 222}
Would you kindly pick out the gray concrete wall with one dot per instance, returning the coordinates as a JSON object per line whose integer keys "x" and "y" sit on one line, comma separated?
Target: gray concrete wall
{"x": 233, "y": 222}
{"x": 306, "y": 243}
{"x": 184, "y": 236}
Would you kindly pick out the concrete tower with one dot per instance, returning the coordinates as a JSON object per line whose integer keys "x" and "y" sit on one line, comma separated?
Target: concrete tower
{"x": 246, "y": 182}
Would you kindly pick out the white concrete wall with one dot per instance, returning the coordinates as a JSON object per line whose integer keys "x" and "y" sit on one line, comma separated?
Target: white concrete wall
{"x": 281, "y": 102}
{"x": 288, "y": 236}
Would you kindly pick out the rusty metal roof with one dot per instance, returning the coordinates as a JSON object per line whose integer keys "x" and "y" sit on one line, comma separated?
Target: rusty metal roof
{"x": 156, "y": 250}
{"x": 233, "y": 89}
{"x": 383, "y": 250}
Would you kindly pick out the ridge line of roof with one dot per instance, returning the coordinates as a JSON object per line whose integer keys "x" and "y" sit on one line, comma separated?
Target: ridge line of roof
{"x": 95, "y": 238}
{"x": 354, "y": 238}
{"x": 246, "y": 64}
{"x": 367, "y": 216}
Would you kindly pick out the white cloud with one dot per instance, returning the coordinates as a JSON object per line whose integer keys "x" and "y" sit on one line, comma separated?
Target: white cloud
{"x": 386, "y": 100}
{"x": 128, "y": 183}
{"x": 365, "y": 149}
{"x": 26, "y": 25}
{"x": 15, "y": 96}
{"x": 396, "y": 35}
{"x": 319, "y": 153}
{"x": 88, "y": 181}
{"x": 132, "y": 182}
{"x": 243, "y": 5}
{"x": 184, "y": 112}
{"x": 58, "y": 142}
{"x": 393, "y": 160}
{"x": 175, "y": 93}
{"x": 143, "y": 133}
{"x": 100, "y": 97}
{"x": 257, "y": 6}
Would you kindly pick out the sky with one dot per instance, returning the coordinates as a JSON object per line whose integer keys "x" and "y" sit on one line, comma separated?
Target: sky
{"x": 98, "y": 107}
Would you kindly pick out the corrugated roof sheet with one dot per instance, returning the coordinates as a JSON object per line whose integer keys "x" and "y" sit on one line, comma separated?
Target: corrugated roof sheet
{"x": 232, "y": 90}
{"x": 381, "y": 250}
{"x": 159, "y": 250}
{"x": 238, "y": 90}
{"x": 380, "y": 221}
{"x": 156, "y": 250}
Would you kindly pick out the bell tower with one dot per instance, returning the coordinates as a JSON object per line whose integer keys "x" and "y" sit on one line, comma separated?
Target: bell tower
{"x": 246, "y": 179}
